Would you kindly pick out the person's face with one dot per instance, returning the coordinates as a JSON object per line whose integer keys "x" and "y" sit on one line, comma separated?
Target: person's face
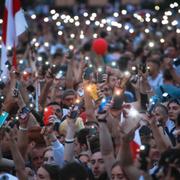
{"x": 77, "y": 147}
{"x": 57, "y": 111}
{"x": 154, "y": 153}
{"x": 37, "y": 157}
{"x": 112, "y": 81}
{"x": 153, "y": 68}
{"x": 42, "y": 174}
{"x": 48, "y": 157}
{"x": 159, "y": 115}
{"x": 69, "y": 100}
{"x": 97, "y": 164}
{"x": 106, "y": 90}
{"x": 117, "y": 173}
{"x": 84, "y": 159}
{"x": 29, "y": 173}
{"x": 174, "y": 110}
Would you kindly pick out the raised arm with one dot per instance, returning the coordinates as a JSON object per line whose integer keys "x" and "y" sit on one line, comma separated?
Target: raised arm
{"x": 18, "y": 160}
{"x": 106, "y": 144}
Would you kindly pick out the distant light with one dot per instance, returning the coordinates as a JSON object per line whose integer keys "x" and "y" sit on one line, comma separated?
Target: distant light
{"x": 174, "y": 23}
{"x": 63, "y": 16}
{"x": 142, "y": 147}
{"x": 148, "y": 15}
{"x": 176, "y": 4}
{"x": 52, "y": 11}
{"x": 77, "y": 23}
{"x": 9, "y": 48}
{"x": 171, "y": 6}
{"x": 92, "y": 18}
{"x": 76, "y": 18}
{"x": 1, "y": 21}
{"x": 90, "y": 65}
{"x": 88, "y": 22}
{"x": 46, "y": 19}
{"x": 124, "y": 12}
{"x": 157, "y": 8}
{"x": 131, "y": 30}
{"x": 154, "y": 20}
{"x": 127, "y": 73}
{"x": 100, "y": 69}
{"x": 108, "y": 28}
{"x": 115, "y": 14}
{"x": 103, "y": 21}
{"x": 151, "y": 44}
{"x": 71, "y": 47}
{"x": 47, "y": 62}
{"x": 178, "y": 30}
{"x": 133, "y": 68}
{"x": 146, "y": 30}
{"x": 71, "y": 20}
{"x": 72, "y": 36}
{"x": 97, "y": 23}
{"x": 168, "y": 13}
{"x": 85, "y": 14}
{"x": 39, "y": 58}
{"x": 81, "y": 36}
{"x": 21, "y": 61}
{"x": 60, "y": 33}
{"x": 165, "y": 94}
{"x": 95, "y": 35}
{"x": 37, "y": 44}
{"x": 113, "y": 63}
{"x": 162, "y": 40}
{"x": 126, "y": 27}
{"x": 94, "y": 15}
{"x": 165, "y": 22}
{"x": 46, "y": 44}
{"x": 33, "y": 16}
{"x": 119, "y": 25}
{"x": 58, "y": 23}
{"x": 148, "y": 19}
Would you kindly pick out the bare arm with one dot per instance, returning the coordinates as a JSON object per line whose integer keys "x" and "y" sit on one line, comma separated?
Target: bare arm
{"x": 69, "y": 76}
{"x": 69, "y": 147}
{"x": 106, "y": 146}
{"x": 18, "y": 160}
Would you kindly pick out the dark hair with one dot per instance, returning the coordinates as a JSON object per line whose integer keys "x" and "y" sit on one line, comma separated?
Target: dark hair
{"x": 177, "y": 101}
{"x": 81, "y": 136}
{"x": 167, "y": 75}
{"x": 73, "y": 171}
{"x": 53, "y": 170}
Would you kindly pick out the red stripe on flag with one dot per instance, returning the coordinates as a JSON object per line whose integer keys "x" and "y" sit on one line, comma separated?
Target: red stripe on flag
{"x": 4, "y": 27}
{"x": 134, "y": 149}
{"x": 16, "y": 6}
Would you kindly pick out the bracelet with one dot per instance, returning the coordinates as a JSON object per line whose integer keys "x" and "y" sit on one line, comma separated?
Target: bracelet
{"x": 68, "y": 141}
{"x": 22, "y": 129}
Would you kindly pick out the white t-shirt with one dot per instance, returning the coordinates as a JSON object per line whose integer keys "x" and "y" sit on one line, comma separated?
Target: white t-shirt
{"x": 154, "y": 83}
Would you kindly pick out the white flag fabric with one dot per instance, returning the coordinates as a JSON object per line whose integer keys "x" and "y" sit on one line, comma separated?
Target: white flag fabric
{"x": 14, "y": 24}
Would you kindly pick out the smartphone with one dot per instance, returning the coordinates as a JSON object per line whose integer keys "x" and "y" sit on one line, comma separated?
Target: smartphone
{"x": 87, "y": 74}
{"x": 100, "y": 75}
{"x": 103, "y": 104}
{"x": 152, "y": 104}
{"x": 74, "y": 112}
{"x": 24, "y": 112}
{"x": 70, "y": 55}
{"x": 3, "y": 118}
{"x": 142, "y": 67}
{"x": 59, "y": 75}
{"x": 176, "y": 61}
{"x": 144, "y": 153}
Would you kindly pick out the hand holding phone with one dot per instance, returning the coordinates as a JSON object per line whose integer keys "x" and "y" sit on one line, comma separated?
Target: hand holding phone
{"x": 3, "y": 118}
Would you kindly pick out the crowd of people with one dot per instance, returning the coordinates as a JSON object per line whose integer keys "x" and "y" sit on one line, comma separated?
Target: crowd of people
{"x": 69, "y": 113}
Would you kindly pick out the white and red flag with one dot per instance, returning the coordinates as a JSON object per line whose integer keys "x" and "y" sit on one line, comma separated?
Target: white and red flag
{"x": 14, "y": 24}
